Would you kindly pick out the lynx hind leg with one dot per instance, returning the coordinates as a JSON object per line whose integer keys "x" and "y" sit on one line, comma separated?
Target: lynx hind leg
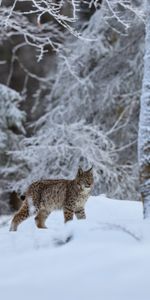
{"x": 68, "y": 214}
{"x": 20, "y": 216}
{"x": 80, "y": 213}
{"x": 41, "y": 218}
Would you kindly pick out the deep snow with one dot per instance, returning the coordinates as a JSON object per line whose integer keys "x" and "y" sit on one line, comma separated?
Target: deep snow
{"x": 107, "y": 257}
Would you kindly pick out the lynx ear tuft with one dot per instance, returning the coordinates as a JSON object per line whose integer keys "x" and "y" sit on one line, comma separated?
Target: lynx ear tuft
{"x": 90, "y": 169}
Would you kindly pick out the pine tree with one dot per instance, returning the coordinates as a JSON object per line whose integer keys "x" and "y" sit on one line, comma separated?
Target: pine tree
{"x": 11, "y": 133}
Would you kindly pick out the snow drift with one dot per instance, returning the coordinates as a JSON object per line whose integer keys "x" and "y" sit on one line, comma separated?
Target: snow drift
{"x": 106, "y": 257}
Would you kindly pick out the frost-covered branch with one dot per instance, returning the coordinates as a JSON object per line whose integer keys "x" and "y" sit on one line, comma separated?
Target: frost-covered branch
{"x": 16, "y": 22}
{"x": 120, "y": 14}
{"x": 11, "y": 132}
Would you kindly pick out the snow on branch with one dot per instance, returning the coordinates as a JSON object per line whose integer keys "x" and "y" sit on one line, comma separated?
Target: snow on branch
{"x": 15, "y": 21}
{"x": 10, "y": 114}
{"x": 120, "y": 14}
{"x": 11, "y": 132}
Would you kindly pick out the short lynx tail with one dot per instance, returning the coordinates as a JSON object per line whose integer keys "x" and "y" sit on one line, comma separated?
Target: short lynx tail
{"x": 20, "y": 216}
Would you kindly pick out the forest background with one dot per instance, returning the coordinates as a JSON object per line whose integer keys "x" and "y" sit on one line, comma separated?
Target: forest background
{"x": 71, "y": 77}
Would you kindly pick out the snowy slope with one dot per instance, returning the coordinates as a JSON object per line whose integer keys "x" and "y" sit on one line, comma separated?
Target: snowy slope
{"x": 107, "y": 257}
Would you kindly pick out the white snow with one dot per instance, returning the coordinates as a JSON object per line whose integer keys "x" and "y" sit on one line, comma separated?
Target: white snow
{"x": 108, "y": 256}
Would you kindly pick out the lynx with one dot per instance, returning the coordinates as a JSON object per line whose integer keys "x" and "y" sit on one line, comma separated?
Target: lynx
{"x": 44, "y": 196}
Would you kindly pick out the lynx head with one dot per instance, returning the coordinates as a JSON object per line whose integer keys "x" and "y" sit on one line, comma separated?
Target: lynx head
{"x": 85, "y": 178}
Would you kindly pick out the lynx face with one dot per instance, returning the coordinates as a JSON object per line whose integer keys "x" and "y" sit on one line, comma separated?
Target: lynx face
{"x": 85, "y": 178}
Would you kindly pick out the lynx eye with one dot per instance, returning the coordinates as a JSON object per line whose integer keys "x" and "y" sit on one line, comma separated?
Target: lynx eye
{"x": 88, "y": 183}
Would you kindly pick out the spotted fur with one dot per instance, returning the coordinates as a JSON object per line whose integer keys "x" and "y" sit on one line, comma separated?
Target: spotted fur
{"x": 44, "y": 196}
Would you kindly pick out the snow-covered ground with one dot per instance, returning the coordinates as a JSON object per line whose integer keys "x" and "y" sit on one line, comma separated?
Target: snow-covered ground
{"x": 106, "y": 257}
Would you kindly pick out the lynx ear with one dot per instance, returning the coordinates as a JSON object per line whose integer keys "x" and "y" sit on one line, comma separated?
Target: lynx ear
{"x": 90, "y": 169}
{"x": 80, "y": 171}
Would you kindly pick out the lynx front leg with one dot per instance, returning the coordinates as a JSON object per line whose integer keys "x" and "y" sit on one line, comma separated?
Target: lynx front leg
{"x": 68, "y": 214}
{"x": 41, "y": 218}
{"x": 80, "y": 213}
{"x": 20, "y": 216}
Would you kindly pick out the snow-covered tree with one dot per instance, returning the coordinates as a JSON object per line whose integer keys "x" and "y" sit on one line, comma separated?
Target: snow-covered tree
{"x": 86, "y": 110}
{"x": 11, "y": 132}
{"x": 91, "y": 102}
{"x": 144, "y": 122}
